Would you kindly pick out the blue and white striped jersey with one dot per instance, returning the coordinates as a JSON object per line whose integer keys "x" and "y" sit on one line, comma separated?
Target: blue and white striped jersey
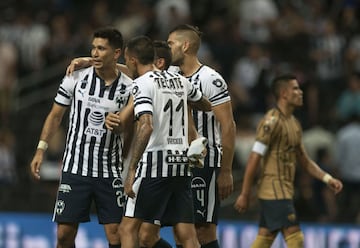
{"x": 91, "y": 150}
{"x": 164, "y": 95}
{"x": 214, "y": 87}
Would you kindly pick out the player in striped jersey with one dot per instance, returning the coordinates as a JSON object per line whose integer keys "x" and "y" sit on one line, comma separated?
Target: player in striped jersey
{"x": 214, "y": 182}
{"x": 158, "y": 181}
{"x": 277, "y": 148}
{"x": 92, "y": 159}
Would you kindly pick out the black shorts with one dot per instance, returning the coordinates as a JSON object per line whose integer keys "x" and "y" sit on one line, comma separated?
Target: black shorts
{"x": 277, "y": 214}
{"x": 76, "y": 193}
{"x": 205, "y": 195}
{"x": 161, "y": 201}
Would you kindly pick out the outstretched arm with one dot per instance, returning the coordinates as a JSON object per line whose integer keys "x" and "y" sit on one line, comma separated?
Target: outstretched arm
{"x": 83, "y": 62}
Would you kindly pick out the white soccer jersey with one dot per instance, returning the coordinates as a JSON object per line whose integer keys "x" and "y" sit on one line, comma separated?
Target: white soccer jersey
{"x": 214, "y": 87}
{"x": 164, "y": 95}
{"x": 91, "y": 150}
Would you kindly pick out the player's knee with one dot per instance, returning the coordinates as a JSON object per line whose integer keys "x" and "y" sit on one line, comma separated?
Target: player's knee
{"x": 147, "y": 239}
{"x": 262, "y": 241}
{"x": 206, "y": 233}
{"x": 66, "y": 235}
{"x": 295, "y": 240}
{"x": 112, "y": 233}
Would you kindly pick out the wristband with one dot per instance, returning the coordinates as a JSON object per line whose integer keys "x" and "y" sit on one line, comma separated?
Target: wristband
{"x": 326, "y": 178}
{"x": 43, "y": 145}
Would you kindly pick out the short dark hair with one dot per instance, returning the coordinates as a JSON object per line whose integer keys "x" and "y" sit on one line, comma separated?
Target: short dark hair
{"x": 278, "y": 82}
{"x": 162, "y": 50}
{"x": 142, "y": 48}
{"x": 113, "y": 35}
{"x": 186, "y": 27}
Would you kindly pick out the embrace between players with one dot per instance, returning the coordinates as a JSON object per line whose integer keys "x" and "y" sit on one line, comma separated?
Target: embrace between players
{"x": 142, "y": 117}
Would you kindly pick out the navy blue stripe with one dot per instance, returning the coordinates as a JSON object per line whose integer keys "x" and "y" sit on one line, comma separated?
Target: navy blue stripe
{"x": 76, "y": 131}
{"x": 149, "y": 164}
{"x": 159, "y": 164}
{"x": 222, "y": 94}
{"x": 91, "y": 155}
{"x": 83, "y": 139}
{"x": 93, "y": 84}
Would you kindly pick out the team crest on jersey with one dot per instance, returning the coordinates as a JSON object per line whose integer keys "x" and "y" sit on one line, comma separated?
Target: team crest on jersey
{"x": 120, "y": 101}
{"x": 198, "y": 183}
{"x": 60, "y": 206}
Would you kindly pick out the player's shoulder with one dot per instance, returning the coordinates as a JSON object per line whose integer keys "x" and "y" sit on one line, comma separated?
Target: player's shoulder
{"x": 208, "y": 72}
{"x": 271, "y": 117}
{"x": 125, "y": 79}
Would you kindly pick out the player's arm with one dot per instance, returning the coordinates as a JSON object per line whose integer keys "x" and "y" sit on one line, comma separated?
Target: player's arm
{"x": 83, "y": 62}
{"x": 242, "y": 202}
{"x": 202, "y": 105}
{"x": 144, "y": 128}
{"x": 223, "y": 113}
{"x": 51, "y": 125}
{"x": 120, "y": 121}
{"x": 314, "y": 170}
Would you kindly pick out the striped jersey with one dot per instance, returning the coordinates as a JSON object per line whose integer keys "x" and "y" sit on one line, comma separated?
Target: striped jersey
{"x": 213, "y": 86}
{"x": 282, "y": 136}
{"x": 164, "y": 95}
{"x": 91, "y": 150}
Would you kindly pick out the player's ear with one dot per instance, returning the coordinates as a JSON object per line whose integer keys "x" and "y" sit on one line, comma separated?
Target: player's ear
{"x": 186, "y": 46}
{"x": 117, "y": 54}
{"x": 160, "y": 63}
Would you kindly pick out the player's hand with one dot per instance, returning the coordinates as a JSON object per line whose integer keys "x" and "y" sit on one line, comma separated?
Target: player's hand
{"x": 242, "y": 203}
{"x": 36, "y": 164}
{"x": 77, "y": 64}
{"x": 225, "y": 184}
{"x": 112, "y": 121}
{"x": 129, "y": 182}
{"x": 197, "y": 152}
{"x": 335, "y": 185}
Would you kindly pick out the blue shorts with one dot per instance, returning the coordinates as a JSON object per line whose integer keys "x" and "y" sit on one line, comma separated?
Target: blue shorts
{"x": 205, "y": 195}
{"x": 161, "y": 201}
{"x": 277, "y": 214}
{"x": 76, "y": 193}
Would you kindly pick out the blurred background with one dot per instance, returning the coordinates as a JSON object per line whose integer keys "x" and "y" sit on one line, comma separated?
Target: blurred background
{"x": 247, "y": 41}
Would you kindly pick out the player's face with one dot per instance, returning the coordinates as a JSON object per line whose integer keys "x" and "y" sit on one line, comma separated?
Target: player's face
{"x": 294, "y": 94}
{"x": 176, "y": 46}
{"x": 103, "y": 54}
{"x": 130, "y": 62}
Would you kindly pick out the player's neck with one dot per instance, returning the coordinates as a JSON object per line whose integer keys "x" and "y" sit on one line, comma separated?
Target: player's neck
{"x": 190, "y": 66}
{"x": 286, "y": 109}
{"x": 142, "y": 69}
{"x": 108, "y": 74}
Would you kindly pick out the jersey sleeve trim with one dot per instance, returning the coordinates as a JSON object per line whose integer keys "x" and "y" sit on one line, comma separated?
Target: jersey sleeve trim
{"x": 142, "y": 113}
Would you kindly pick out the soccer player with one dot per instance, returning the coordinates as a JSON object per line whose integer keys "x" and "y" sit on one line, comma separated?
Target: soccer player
{"x": 92, "y": 159}
{"x": 277, "y": 148}
{"x": 159, "y": 177}
{"x": 214, "y": 182}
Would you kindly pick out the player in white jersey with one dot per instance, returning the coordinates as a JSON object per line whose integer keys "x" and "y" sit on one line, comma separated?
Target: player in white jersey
{"x": 214, "y": 182}
{"x": 158, "y": 181}
{"x": 92, "y": 159}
